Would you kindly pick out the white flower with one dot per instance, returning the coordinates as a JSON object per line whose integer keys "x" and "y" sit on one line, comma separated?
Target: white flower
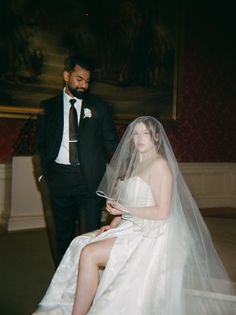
{"x": 87, "y": 113}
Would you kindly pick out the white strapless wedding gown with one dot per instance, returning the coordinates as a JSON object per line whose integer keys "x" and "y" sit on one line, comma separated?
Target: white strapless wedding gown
{"x": 134, "y": 280}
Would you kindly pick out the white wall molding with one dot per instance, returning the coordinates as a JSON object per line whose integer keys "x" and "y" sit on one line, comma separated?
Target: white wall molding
{"x": 213, "y": 185}
{"x": 26, "y": 221}
{"x": 26, "y": 203}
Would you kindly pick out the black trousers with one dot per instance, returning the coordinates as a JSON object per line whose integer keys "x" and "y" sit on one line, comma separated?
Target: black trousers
{"x": 72, "y": 206}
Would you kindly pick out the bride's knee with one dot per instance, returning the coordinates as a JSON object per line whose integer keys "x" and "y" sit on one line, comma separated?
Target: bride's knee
{"x": 96, "y": 253}
{"x": 87, "y": 253}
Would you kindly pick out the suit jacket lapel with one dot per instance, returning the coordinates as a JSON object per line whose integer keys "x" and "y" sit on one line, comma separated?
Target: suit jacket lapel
{"x": 82, "y": 120}
{"x": 57, "y": 118}
{"x": 60, "y": 115}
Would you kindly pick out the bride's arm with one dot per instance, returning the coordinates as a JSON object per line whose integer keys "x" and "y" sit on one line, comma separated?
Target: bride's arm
{"x": 114, "y": 223}
{"x": 161, "y": 184}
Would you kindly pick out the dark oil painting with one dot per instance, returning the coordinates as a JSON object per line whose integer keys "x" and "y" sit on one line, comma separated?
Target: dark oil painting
{"x": 133, "y": 45}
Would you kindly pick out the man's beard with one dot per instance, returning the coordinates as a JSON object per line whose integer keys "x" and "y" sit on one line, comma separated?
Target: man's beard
{"x": 77, "y": 93}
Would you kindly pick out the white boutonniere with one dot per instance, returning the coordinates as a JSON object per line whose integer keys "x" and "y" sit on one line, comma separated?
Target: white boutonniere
{"x": 87, "y": 113}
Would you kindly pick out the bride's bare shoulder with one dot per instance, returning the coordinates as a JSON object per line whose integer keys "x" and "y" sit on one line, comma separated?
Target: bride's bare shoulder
{"x": 159, "y": 161}
{"x": 160, "y": 164}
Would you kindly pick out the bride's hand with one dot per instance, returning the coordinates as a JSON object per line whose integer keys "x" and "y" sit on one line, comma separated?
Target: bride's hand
{"x": 114, "y": 208}
{"x": 104, "y": 229}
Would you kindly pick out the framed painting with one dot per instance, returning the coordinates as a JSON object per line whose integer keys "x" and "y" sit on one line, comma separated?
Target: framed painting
{"x": 134, "y": 47}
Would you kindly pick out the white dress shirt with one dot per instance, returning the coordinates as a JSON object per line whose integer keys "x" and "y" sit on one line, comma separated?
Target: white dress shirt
{"x": 63, "y": 155}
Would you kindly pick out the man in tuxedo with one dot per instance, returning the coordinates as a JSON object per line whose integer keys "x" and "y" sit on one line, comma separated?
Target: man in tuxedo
{"x": 76, "y": 134}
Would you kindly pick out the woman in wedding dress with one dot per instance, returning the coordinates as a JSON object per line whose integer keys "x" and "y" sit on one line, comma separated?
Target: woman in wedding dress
{"x": 156, "y": 256}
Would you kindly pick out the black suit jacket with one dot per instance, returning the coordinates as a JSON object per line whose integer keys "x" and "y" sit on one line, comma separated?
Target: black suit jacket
{"x": 97, "y": 137}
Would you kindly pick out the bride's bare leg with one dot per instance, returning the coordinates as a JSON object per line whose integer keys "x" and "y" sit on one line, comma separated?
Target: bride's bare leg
{"x": 93, "y": 256}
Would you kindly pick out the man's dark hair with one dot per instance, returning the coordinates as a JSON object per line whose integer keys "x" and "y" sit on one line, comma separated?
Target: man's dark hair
{"x": 74, "y": 60}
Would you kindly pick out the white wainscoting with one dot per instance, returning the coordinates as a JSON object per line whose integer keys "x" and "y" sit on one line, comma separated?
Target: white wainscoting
{"x": 213, "y": 185}
{"x": 26, "y": 204}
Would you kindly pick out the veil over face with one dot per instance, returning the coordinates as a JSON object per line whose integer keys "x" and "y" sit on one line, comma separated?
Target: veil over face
{"x": 143, "y": 141}
{"x": 191, "y": 261}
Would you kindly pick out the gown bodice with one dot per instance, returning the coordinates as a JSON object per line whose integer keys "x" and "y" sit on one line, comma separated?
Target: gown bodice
{"x": 134, "y": 192}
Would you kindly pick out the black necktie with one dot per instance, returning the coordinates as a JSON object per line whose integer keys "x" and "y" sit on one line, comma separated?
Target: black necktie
{"x": 73, "y": 134}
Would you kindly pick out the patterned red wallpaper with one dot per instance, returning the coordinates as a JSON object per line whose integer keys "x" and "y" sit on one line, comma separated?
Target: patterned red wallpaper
{"x": 206, "y": 128}
{"x": 206, "y": 131}
{"x": 9, "y": 133}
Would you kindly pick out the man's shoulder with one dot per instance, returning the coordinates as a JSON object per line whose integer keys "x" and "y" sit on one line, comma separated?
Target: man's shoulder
{"x": 96, "y": 100}
{"x": 51, "y": 100}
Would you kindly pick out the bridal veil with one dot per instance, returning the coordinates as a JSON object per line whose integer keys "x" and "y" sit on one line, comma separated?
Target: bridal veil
{"x": 195, "y": 281}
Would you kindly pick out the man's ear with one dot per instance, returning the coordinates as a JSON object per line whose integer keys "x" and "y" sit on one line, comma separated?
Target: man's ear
{"x": 66, "y": 76}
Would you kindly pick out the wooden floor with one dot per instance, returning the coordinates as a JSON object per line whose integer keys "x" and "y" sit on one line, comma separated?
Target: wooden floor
{"x": 222, "y": 225}
{"x": 223, "y": 231}
{"x": 26, "y": 265}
